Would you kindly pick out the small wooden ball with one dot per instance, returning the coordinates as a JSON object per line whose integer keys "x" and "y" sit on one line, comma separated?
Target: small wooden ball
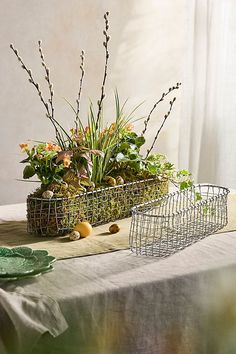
{"x": 114, "y": 228}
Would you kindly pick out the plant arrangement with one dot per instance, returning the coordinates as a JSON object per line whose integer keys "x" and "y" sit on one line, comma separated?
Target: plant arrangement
{"x": 95, "y": 154}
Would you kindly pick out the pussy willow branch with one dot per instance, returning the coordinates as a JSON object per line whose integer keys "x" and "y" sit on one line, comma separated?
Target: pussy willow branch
{"x": 31, "y": 80}
{"x": 155, "y": 105}
{"x": 36, "y": 85}
{"x": 47, "y": 78}
{"x": 50, "y": 100}
{"x": 162, "y": 124}
{"x": 80, "y": 89}
{"x": 105, "y": 43}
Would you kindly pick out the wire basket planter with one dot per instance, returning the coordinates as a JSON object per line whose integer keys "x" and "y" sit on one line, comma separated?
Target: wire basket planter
{"x": 168, "y": 224}
{"x": 58, "y": 216}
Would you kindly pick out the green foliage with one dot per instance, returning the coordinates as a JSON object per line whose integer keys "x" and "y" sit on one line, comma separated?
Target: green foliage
{"x": 93, "y": 155}
{"x": 105, "y": 139}
{"x": 198, "y": 196}
{"x": 41, "y": 161}
{"x": 128, "y": 162}
{"x": 29, "y": 171}
{"x": 50, "y": 164}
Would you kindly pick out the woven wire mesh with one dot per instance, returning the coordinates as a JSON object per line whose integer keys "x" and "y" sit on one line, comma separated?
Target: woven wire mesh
{"x": 168, "y": 224}
{"x": 58, "y": 216}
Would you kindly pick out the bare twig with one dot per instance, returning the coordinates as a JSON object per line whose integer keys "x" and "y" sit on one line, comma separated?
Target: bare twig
{"x": 155, "y": 105}
{"x": 159, "y": 130}
{"x": 36, "y": 85}
{"x": 80, "y": 89}
{"x": 105, "y": 43}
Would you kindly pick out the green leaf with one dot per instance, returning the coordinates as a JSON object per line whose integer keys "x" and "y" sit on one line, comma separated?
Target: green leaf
{"x": 25, "y": 160}
{"x": 133, "y": 156}
{"x": 183, "y": 173}
{"x": 135, "y": 164}
{"x": 168, "y": 166}
{"x": 85, "y": 182}
{"x": 183, "y": 185}
{"x": 124, "y": 146}
{"x": 139, "y": 141}
{"x": 152, "y": 169}
{"x": 28, "y": 172}
{"x": 198, "y": 196}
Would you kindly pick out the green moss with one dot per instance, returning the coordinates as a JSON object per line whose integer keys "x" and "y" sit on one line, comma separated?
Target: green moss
{"x": 58, "y": 216}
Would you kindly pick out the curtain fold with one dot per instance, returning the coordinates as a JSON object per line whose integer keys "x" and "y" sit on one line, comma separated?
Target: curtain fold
{"x": 208, "y": 126}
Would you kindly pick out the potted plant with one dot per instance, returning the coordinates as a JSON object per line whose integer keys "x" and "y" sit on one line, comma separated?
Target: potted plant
{"x": 95, "y": 171}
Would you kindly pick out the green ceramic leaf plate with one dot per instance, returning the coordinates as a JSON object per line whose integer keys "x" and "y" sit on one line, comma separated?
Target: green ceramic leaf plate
{"x": 22, "y": 277}
{"x": 23, "y": 261}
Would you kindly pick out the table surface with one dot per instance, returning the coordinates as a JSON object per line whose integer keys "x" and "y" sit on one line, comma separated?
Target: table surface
{"x": 122, "y": 303}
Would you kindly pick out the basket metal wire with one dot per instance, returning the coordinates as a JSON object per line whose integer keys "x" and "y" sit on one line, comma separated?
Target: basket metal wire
{"x": 58, "y": 216}
{"x": 168, "y": 224}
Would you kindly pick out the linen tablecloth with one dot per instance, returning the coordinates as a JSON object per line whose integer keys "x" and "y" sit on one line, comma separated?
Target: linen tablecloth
{"x": 119, "y": 303}
{"x": 24, "y": 317}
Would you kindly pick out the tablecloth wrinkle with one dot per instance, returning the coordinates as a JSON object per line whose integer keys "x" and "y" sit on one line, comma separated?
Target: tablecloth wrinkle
{"x": 25, "y": 317}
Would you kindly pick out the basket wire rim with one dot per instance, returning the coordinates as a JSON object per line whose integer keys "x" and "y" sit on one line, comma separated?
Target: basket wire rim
{"x": 198, "y": 204}
{"x": 99, "y": 190}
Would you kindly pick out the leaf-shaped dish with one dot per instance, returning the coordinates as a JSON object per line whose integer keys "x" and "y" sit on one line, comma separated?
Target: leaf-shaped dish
{"x": 22, "y": 261}
{"x": 27, "y": 276}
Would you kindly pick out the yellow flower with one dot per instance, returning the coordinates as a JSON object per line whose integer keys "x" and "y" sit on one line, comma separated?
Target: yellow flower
{"x": 24, "y": 147}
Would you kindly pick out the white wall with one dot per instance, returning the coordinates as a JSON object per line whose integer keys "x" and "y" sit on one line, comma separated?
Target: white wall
{"x": 147, "y": 56}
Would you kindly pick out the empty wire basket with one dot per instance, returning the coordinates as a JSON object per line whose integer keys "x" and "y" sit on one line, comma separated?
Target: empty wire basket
{"x": 168, "y": 224}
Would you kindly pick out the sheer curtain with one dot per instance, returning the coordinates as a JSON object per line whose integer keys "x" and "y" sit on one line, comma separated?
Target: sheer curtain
{"x": 208, "y": 125}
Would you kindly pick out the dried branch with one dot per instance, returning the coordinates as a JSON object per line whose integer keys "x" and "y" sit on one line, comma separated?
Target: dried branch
{"x": 162, "y": 124}
{"x": 80, "y": 88}
{"x": 36, "y": 85}
{"x": 155, "y": 105}
{"x": 105, "y": 43}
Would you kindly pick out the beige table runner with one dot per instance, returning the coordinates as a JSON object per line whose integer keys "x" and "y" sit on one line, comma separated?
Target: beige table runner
{"x": 13, "y": 233}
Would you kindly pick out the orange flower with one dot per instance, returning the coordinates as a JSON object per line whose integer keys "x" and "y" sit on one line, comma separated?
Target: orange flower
{"x": 103, "y": 133}
{"x": 24, "y": 147}
{"x": 112, "y": 129}
{"x": 87, "y": 130}
{"x": 67, "y": 161}
{"x": 52, "y": 147}
{"x": 129, "y": 127}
